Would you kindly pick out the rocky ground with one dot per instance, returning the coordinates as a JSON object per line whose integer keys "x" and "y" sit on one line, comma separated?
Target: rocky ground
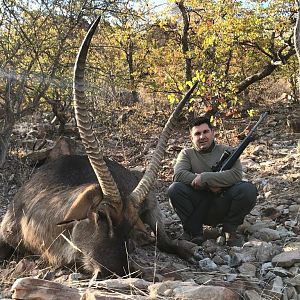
{"x": 267, "y": 266}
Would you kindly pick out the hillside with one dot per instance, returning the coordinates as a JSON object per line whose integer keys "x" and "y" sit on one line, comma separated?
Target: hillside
{"x": 264, "y": 268}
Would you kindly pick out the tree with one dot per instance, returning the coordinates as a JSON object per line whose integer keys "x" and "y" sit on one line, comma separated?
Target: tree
{"x": 38, "y": 42}
{"x": 33, "y": 44}
{"x": 123, "y": 49}
{"x": 297, "y": 43}
{"x": 232, "y": 45}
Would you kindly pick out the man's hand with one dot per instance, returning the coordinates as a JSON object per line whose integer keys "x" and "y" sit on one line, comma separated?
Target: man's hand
{"x": 196, "y": 183}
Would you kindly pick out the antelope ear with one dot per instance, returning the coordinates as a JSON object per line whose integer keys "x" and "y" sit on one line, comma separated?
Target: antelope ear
{"x": 62, "y": 147}
{"x": 84, "y": 205}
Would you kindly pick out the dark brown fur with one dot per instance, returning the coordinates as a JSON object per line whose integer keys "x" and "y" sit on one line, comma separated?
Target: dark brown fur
{"x": 47, "y": 199}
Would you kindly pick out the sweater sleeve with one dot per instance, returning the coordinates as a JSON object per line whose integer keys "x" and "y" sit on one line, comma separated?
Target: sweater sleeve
{"x": 183, "y": 169}
{"x": 223, "y": 178}
{"x": 189, "y": 163}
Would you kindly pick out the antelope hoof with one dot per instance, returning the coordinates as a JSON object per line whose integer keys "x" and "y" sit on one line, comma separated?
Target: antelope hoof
{"x": 189, "y": 251}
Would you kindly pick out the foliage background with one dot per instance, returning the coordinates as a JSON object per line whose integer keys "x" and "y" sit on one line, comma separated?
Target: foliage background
{"x": 142, "y": 58}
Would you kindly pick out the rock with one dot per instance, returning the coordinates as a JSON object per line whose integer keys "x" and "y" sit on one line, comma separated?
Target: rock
{"x": 295, "y": 270}
{"x": 204, "y": 278}
{"x": 286, "y": 259}
{"x": 267, "y": 234}
{"x": 266, "y": 251}
{"x": 219, "y": 260}
{"x": 231, "y": 277}
{"x": 247, "y": 269}
{"x": 247, "y": 254}
{"x": 258, "y": 149}
{"x": 252, "y": 295}
{"x": 266, "y": 267}
{"x": 269, "y": 276}
{"x": 210, "y": 246}
{"x": 235, "y": 260}
{"x": 295, "y": 281}
{"x": 281, "y": 272}
{"x": 284, "y": 232}
{"x": 268, "y": 194}
{"x": 294, "y": 209}
{"x": 277, "y": 286}
{"x": 207, "y": 265}
{"x": 291, "y": 224}
{"x": 255, "y": 212}
{"x": 291, "y": 292}
{"x": 187, "y": 290}
{"x": 225, "y": 269}
{"x": 249, "y": 164}
{"x": 75, "y": 277}
{"x": 24, "y": 267}
{"x": 123, "y": 284}
{"x": 261, "y": 225}
{"x": 253, "y": 243}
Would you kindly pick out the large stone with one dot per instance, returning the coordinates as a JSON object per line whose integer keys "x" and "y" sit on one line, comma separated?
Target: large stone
{"x": 286, "y": 259}
{"x": 247, "y": 254}
{"x": 277, "y": 286}
{"x": 261, "y": 225}
{"x": 252, "y": 295}
{"x": 294, "y": 209}
{"x": 207, "y": 265}
{"x": 292, "y": 246}
{"x": 291, "y": 292}
{"x": 295, "y": 281}
{"x": 125, "y": 283}
{"x": 266, "y": 251}
{"x": 284, "y": 232}
{"x": 187, "y": 290}
{"x": 267, "y": 234}
{"x": 247, "y": 269}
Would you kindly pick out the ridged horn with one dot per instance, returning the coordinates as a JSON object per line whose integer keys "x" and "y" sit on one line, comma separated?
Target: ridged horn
{"x": 144, "y": 186}
{"x": 90, "y": 142}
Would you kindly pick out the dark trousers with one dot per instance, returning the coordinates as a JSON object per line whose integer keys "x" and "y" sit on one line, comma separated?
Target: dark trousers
{"x": 198, "y": 207}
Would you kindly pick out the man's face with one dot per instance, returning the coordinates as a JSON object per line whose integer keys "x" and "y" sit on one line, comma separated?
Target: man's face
{"x": 202, "y": 136}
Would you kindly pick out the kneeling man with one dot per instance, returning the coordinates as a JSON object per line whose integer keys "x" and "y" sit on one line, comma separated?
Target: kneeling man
{"x": 201, "y": 196}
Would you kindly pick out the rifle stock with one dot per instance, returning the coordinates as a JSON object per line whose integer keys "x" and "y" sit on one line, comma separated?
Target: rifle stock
{"x": 228, "y": 158}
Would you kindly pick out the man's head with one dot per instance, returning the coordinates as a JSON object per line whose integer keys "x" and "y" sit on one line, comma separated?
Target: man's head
{"x": 202, "y": 133}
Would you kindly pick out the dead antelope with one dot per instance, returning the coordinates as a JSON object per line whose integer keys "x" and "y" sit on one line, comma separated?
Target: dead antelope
{"x": 81, "y": 209}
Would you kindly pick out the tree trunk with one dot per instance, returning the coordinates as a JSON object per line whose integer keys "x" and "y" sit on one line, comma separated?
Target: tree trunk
{"x": 185, "y": 41}
{"x": 129, "y": 56}
{"x": 297, "y": 43}
{"x": 4, "y": 143}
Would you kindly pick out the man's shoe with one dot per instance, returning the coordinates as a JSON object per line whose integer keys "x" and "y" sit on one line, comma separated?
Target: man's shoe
{"x": 233, "y": 240}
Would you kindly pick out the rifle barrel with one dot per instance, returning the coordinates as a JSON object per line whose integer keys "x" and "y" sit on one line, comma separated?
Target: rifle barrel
{"x": 239, "y": 150}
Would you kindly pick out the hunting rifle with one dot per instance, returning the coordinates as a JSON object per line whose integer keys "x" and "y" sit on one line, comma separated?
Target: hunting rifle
{"x": 228, "y": 158}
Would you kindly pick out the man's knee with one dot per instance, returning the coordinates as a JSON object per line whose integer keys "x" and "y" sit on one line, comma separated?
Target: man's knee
{"x": 174, "y": 188}
{"x": 244, "y": 192}
{"x": 180, "y": 200}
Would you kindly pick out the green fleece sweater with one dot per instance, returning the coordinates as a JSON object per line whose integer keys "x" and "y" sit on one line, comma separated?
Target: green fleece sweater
{"x": 191, "y": 162}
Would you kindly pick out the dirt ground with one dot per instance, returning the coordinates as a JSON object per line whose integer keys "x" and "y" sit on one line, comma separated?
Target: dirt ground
{"x": 272, "y": 162}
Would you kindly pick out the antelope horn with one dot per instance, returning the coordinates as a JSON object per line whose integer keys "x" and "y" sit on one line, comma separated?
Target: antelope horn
{"x": 90, "y": 142}
{"x": 143, "y": 188}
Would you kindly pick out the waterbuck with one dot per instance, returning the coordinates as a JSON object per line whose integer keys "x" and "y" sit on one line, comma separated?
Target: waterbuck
{"x": 81, "y": 209}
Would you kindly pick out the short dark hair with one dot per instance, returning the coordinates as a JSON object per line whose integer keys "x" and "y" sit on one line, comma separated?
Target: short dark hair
{"x": 200, "y": 120}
